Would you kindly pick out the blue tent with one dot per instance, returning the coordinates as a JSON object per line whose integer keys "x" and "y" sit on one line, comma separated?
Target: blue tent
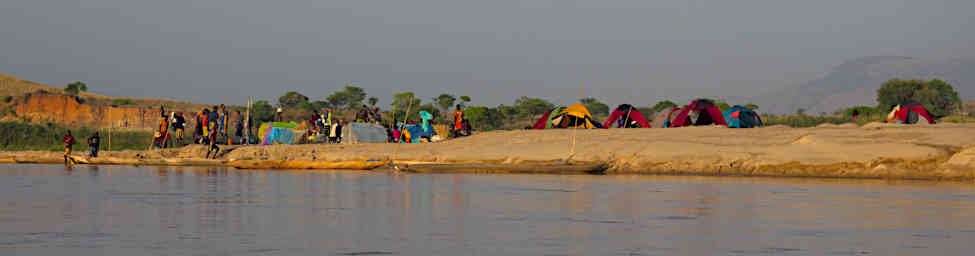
{"x": 741, "y": 117}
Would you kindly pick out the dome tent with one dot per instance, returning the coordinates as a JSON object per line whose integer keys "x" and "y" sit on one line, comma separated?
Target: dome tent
{"x": 699, "y": 112}
{"x": 628, "y": 117}
{"x": 910, "y": 112}
{"x": 742, "y": 117}
{"x": 664, "y": 118}
{"x": 575, "y": 116}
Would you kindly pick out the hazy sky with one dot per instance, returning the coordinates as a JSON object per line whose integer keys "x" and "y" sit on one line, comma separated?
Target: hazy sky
{"x": 637, "y": 51}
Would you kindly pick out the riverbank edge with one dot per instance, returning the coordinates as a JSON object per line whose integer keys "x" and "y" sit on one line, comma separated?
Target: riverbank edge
{"x": 937, "y": 168}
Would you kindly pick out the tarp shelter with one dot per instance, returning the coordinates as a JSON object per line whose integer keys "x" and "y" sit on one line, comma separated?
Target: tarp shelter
{"x": 271, "y": 135}
{"x": 910, "y": 113}
{"x": 575, "y": 116}
{"x": 545, "y": 122}
{"x": 663, "y": 118}
{"x": 742, "y": 117}
{"x": 699, "y": 112}
{"x": 355, "y": 133}
{"x": 627, "y": 116}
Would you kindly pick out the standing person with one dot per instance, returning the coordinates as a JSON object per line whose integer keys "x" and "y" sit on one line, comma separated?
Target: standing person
{"x": 225, "y": 123}
{"x": 93, "y": 143}
{"x": 335, "y": 132}
{"x": 240, "y": 128}
{"x": 179, "y": 123}
{"x": 855, "y": 114}
{"x": 458, "y": 121}
{"x": 202, "y": 126}
{"x": 280, "y": 113}
{"x": 68, "y": 143}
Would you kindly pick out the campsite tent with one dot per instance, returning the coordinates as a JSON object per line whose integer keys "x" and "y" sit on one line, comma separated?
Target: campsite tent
{"x": 663, "y": 118}
{"x": 277, "y": 133}
{"x": 628, "y": 117}
{"x": 545, "y": 122}
{"x": 575, "y": 116}
{"x": 699, "y": 112}
{"x": 355, "y": 133}
{"x": 742, "y": 117}
{"x": 910, "y": 112}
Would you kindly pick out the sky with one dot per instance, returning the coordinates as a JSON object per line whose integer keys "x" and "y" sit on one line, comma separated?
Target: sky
{"x": 619, "y": 51}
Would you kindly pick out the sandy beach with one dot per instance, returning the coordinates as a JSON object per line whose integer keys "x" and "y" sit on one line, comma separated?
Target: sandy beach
{"x": 876, "y": 150}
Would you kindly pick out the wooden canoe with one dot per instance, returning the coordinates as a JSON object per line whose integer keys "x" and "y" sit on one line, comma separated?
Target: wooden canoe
{"x": 593, "y": 168}
{"x": 291, "y": 164}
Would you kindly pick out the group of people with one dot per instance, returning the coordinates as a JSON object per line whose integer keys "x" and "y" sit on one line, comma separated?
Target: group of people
{"x": 212, "y": 127}
{"x": 413, "y": 131}
{"x": 94, "y": 141}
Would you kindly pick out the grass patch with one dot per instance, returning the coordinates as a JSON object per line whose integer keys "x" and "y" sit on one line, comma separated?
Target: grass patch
{"x": 24, "y": 136}
{"x": 123, "y": 101}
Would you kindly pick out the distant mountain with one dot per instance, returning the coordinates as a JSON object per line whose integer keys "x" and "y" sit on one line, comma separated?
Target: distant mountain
{"x": 856, "y": 82}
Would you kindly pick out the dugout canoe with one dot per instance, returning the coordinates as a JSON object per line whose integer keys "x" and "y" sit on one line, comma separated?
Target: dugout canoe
{"x": 293, "y": 164}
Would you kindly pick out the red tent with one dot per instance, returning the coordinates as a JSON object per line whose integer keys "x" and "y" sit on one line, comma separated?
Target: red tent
{"x": 909, "y": 112}
{"x": 627, "y": 111}
{"x": 707, "y": 114}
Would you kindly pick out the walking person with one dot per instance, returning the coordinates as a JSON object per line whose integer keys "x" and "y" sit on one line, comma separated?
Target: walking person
{"x": 93, "y": 143}
{"x": 68, "y": 144}
{"x": 855, "y": 114}
{"x": 213, "y": 148}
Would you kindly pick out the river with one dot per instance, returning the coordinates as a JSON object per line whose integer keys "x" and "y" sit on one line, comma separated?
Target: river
{"x": 123, "y": 210}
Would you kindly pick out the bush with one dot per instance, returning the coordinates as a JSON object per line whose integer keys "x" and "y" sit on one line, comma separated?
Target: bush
{"x": 123, "y": 101}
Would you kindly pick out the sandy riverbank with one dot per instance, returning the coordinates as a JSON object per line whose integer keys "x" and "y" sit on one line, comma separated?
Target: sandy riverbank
{"x": 941, "y": 152}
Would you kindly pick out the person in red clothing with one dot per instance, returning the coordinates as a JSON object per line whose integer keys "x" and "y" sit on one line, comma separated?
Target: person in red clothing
{"x": 68, "y": 143}
{"x": 458, "y": 122}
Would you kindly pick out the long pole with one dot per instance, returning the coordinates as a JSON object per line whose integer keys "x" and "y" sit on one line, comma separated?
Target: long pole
{"x": 247, "y": 122}
{"x": 406, "y": 118}
{"x": 109, "y": 128}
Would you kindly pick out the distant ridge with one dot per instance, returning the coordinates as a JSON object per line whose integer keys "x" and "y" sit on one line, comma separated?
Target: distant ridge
{"x": 855, "y": 82}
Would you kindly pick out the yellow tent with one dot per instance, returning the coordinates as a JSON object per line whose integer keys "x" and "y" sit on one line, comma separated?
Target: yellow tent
{"x": 575, "y": 116}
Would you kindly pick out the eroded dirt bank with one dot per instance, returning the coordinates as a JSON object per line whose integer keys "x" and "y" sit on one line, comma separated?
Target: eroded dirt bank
{"x": 940, "y": 152}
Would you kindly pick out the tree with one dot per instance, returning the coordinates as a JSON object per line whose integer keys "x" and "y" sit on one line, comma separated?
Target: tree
{"x": 483, "y": 118}
{"x": 356, "y": 96}
{"x": 339, "y": 99}
{"x": 595, "y": 107}
{"x": 533, "y": 106}
{"x": 292, "y": 99}
{"x": 261, "y": 111}
{"x": 663, "y": 105}
{"x": 445, "y": 102}
{"x": 313, "y": 106}
{"x": 401, "y": 101}
{"x": 801, "y": 111}
{"x": 464, "y": 100}
{"x": 508, "y": 112}
{"x": 76, "y": 88}
{"x": 373, "y": 101}
{"x": 753, "y": 107}
{"x": 937, "y": 96}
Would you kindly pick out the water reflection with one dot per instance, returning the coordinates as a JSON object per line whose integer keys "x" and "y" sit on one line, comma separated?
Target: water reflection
{"x": 116, "y": 210}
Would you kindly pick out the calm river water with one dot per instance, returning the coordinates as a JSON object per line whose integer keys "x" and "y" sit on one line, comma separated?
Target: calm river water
{"x": 120, "y": 210}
